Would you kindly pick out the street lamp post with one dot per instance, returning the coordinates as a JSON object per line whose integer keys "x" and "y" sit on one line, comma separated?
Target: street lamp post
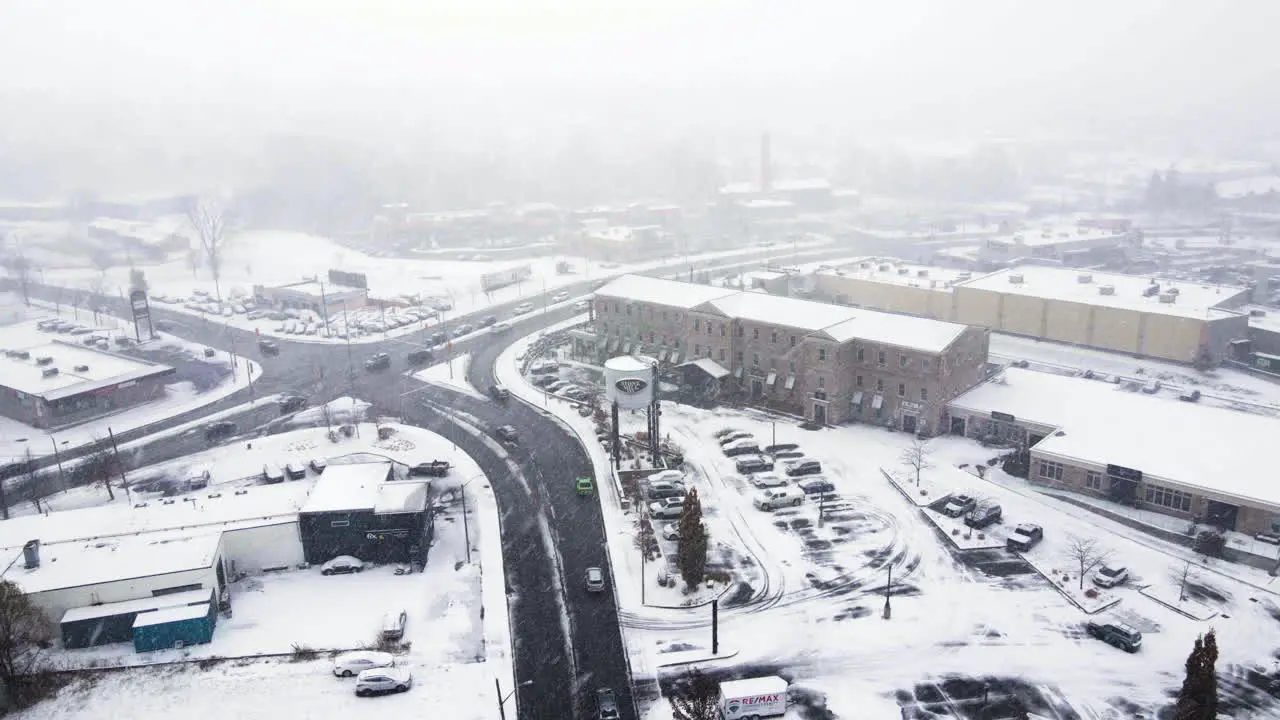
{"x": 502, "y": 699}
{"x": 888, "y": 588}
{"x": 466, "y": 528}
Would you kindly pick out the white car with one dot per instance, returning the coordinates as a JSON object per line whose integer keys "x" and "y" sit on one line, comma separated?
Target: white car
{"x": 342, "y": 564}
{"x": 500, "y": 327}
{"x": 582, "y": 305}
{"x": 353, "y": 663}
{"x": 523, "y": 308}
{"x": 774, "y": 498}
{"x": 671, "y": 531}
{"x": 1109, "y": 576}
{"x": 768, "y": 480}
{"x": 393, "y": 624}
{"x": 383, "y": 680}
{"x": 667, "y": 508}
{"x": 560, "y": 296}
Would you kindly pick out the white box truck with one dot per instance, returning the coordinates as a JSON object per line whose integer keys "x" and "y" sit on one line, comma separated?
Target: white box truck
{"x": 753, "y": 698}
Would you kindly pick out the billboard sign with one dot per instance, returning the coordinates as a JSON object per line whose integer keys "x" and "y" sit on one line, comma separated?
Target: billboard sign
{"x": 1124, "y": 473}
{"x": 629, "y": 382}
{"x": 349, "y": 279}
{"x": 502, "y": 278}
{"x": 141, "y": 315}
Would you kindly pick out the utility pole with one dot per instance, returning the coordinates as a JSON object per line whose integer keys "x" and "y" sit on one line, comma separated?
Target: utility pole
{"x": 502, "y": 713}
{"x": 124, "y": 482}
{"x": 715, "y": 626}
{"x": 62, "y": 480}
{"x": 466, "y": 530}
{"x": 888, "y": 588}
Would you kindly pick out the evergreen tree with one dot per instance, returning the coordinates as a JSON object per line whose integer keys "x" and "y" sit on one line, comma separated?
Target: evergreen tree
{"x": 1198, "y": 699}
{"x": 691, "y": 552}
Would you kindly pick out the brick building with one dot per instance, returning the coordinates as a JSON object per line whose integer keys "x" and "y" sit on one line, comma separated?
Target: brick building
{"x": 829, "y": 363}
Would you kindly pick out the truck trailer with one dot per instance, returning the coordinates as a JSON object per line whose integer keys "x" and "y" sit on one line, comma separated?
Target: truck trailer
{"x": 752, "y": 698}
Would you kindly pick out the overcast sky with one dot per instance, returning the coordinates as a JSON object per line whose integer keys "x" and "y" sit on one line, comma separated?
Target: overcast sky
{"x": 936, "y": 65}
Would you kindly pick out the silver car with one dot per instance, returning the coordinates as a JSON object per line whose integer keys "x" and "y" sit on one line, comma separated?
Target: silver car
{"x": 383, "y": 680}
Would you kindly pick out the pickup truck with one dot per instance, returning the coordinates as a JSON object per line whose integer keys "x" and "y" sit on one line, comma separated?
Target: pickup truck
{"x": 435, "y": 468}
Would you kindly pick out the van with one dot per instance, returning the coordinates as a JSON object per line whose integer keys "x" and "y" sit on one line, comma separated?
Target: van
{"x": 742, "y": 447}
{"x": 774, "y": 498}
{"x": 662, "y": 489}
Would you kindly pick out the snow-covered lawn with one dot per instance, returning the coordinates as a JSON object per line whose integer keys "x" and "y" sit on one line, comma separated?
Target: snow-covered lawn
{"x": 1171, "y": 598}
{"x": 180, "y": 397}
{"x": 458, "y": 637}
{"x": 963, "y": 536}
{"x": 451, "y": 373}
{"x": 979, "y": 616}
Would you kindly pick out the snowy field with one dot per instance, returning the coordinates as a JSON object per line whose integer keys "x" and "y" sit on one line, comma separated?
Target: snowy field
{"x": 453, "y": 646}
{"x": 961, "y": 620}
{"x": 180, "y": 397}
{"x": 451, "y": 373}
{"x": 272, "y": 258}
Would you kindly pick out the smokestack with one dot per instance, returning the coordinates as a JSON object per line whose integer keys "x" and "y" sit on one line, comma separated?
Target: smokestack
{"x": 31, "y": 554}
{"x": 766, "y": 164}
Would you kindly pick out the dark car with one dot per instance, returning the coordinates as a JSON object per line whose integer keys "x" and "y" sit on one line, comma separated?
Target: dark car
{"x": 507, "y": 434}
{"x": 435, "y": 468}
{"x": 1115, "y": 634}
{"x": 780, "y": 447}
{"x": 981, "y": 517}
{"x": 499, "y": 393}
{"x": 753, "y": 464}
{"x": 958, "y": 505}
{"x": 804, "y": 467}
{"x": 381, "y": 361}
{"x": 607, "y": 705}
{"x": 420, "y": 357}
{"x": 816, "y": 486}
{"x": 292, "y": 403}
{"x": 439, "y": 338}
{"x": 545, "y": 380}
{"x": 488, "y": 320}
{"x": 269, "y": 347}
{"x": 1024, "y": 537}
{"x": 463, "y": 329}
{"x": 219, "y": 430}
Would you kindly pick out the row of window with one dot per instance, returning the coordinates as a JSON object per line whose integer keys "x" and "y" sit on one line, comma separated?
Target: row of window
{"x": 1168, "y": 497}
{"x": 902, "y": 388}
{"x": 1050, "y": 470}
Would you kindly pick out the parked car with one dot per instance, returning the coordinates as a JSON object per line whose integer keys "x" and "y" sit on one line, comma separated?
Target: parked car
{"x": 353, "y": 663}
{"x": 788, "y": 454}
{"x": 318, "y": 465}
{"x": 595, "y": 579}
{"x": 542, "y": 367}
{"x": 671, "y": 531}
{"x": 380, "y": 361}
{"x": 801, "y": 467}
{"x": 292, "y": 403}
{"x": 662, "y": 490}
{"x": 749, "y": 464}
{"x": 341, "y": 565}
{"x": 507, "y": 434}
{"x": 435, "y": 468}
{"x": 1109, "y": 576}
{"x": 816, "y": 486}
{"x": 1024, "y": 537}
{"x": 780, "y": 447}
{"x": 383, "y": 680}
{"x": 393, "y": 624}
{"x": 523, "y": 309}
{"x": 742, "y": 447}
{"x": 272, "y": 474}
{"x": 420, "y": 357}
{"x": 269, "y": 347}
{"x": 219, "y": 430}
{"x": 768, "y": 480}
{"x": 673, "y": 476}
{"x": 295, "y": 470}
{"x": 1116, "y": 634}
{"x": 734, "y": 437}
{"x": 667, "y": 508}
{"x": 958, "y": 505}
{"x": 439, "y": 338}
{"x": 980, "y": 517}
{"x": 774, "y": 498}
{"x": 606, "y": 705}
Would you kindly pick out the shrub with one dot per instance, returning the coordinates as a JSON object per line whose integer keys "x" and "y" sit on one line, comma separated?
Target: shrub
{"x": 955, "y": 531}
{"x": 982, "y": 536}
{"x": 923, "y": 492}
{"x": 302, "y": 653}
{"x": 1091, "y": 594}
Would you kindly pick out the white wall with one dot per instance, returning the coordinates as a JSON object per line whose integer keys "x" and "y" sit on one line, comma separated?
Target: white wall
{"x": 269, "y": 546}
{"x": 57, "y": 602}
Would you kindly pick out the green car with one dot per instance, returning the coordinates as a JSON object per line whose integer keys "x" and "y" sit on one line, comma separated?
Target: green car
{"x": 585, "y": 486}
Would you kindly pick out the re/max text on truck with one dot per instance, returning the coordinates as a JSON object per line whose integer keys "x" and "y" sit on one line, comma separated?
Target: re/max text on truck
{"x": 752, "y": 698}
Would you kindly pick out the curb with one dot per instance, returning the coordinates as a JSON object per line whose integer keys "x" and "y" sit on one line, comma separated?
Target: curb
{"x": 1175, "y": 608}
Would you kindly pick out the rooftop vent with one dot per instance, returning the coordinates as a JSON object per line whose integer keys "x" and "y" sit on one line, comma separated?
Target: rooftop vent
{"x": 82, "y": 368}
{"x": 865, "y": 265}
{"x": 1257, "y": 313}
{"x": 1106, "y": 289}
{"x": 242, "y": 492}
{"x": 964, "y": 275}
{"x": 1152, "y": 289}
{"x": 922, "y": 273}
{"x": 1015, "y": 278}
{"x": 903, "y": 271}
{"x": 1084, "y": 278}
{"x": 42, "y": 360}
{"x": 1168, "y": 298}
{"x": 31, "y": 554}
{"x": 167, "y": 501}
{"x": 1174, "y": 291}
{"x": 49, "y": 372}
{"x": 883, "y": 268}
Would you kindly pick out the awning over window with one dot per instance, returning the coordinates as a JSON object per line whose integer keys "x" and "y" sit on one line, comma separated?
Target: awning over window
{"x": 738, "y": 373}
{"x": 876, "y": 402}
{"x": 791, "y": 381}
{"x": 626, "y": 348}
{"x": 662, "y": 356}
{"x": 675, "y": 357}
{"x": 708, "y": 366}
{"x": 773, "y": 378}
{"x": 611, "y": 345}
{"x": 857, "y": 397}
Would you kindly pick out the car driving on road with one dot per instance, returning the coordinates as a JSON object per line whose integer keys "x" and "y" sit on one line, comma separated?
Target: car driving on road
{"x": 381, "y": 361}
{"x": 1115, "y": 634}
{"x": 595, "y": 579}
{"x": 507, "y": 434}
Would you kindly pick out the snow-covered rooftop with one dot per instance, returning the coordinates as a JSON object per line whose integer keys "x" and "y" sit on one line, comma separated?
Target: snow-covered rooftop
{"x": 1194, "y": 299}
{"x": 1243, "y": 187}
{"x": 364, "y": 486}
{"x": 896, "y": 272}
{"x": 1263, "y": 318}
{"x": 1055, "y": 235}
{"x": 1104, "y": 423}
{"x": 317, "y": 289}
{"x": 905, "y": 331}
{"x": 80, "y": 369}
{"x": 805, "y": 184}
{"x": 766, "y": 203}
{"x": 671, "y": 293}
{"x": 740, "y": 188}
{"x": 176, "y": 613}
{"x": 159, "y": 602}
{"x": 91, "y": 562}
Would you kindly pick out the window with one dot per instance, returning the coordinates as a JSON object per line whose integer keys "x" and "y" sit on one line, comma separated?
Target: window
{"x": 926, "y": 364}
{"x": 879, "y": 385}
{"x": 822, "y": 382}
{"x": 793, "y": 341}
{"x": 739, "y": 357}
{"x": 857, "y": 381}
{"x": 822, "y": 354}
{"x": 721, "y": 354}
{"x": 605, "y": 328}
{"x": 697, "y": 324}
{"x": 697, "y": 349}
{"x": 1172, "y": 499}
{"x": 773, "y": 363}
{"x": 924, "y": 395}
{"x": 651, "y": 337}
{"x": 664, "y": 314}
{"x": 902, "y": 389}
{"x": 650, "y": 313}
{"x": 176, "y": 589}
{"x": 862, "y": 355}
{"x": 1050, "y": 470}
{"x": 791, "y": 365}
{"x": 339, "y": 523}
{"x": 755, "y": 359}
{"x": 723, "y": 329}
{"x": 755, "y": 333}
{"x": 774, "y": 337}
{"x": 628, "y": 310}
{"x": 902, "y": 361}
{"x": 1093, "y": 480}
{"x": 880, "y": 358}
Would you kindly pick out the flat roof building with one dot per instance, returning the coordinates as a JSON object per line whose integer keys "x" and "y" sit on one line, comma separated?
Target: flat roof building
{"x": 1070, "y": 245}
{"x": 1115, "y": 442}
{"x": 325, "y": 298}
{"x": 827, "y": 362}
{"x": 361, "y": 510}
{"x": 58, "y": 383}
{"x": 620, "y": 243}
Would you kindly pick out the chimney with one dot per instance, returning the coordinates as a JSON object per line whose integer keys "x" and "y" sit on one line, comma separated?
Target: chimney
{"x": 766, "y": 164}
{"x": 31, "y": 554}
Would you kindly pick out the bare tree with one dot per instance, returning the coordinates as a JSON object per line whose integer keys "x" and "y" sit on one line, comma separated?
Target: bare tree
{"x": 36, "y": 487}
{"x": 99, "y": 466}
{"x": 916, "y": 457}
{"x": 208, "y": 219}
{"x": 24, "y": 633}
{"x": 695, "y": 698}
{"x": 20, "y": 267}
{"x": 326, "y": 412}
{"x": 1180, "y": 577}
{"x": 1087, "y": 553}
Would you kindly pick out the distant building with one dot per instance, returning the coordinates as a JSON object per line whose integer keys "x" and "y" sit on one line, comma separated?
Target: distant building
{"x": 320, "y": 296}
{"x": 1065, "y": 245}
{"x": 621, "y": 244}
